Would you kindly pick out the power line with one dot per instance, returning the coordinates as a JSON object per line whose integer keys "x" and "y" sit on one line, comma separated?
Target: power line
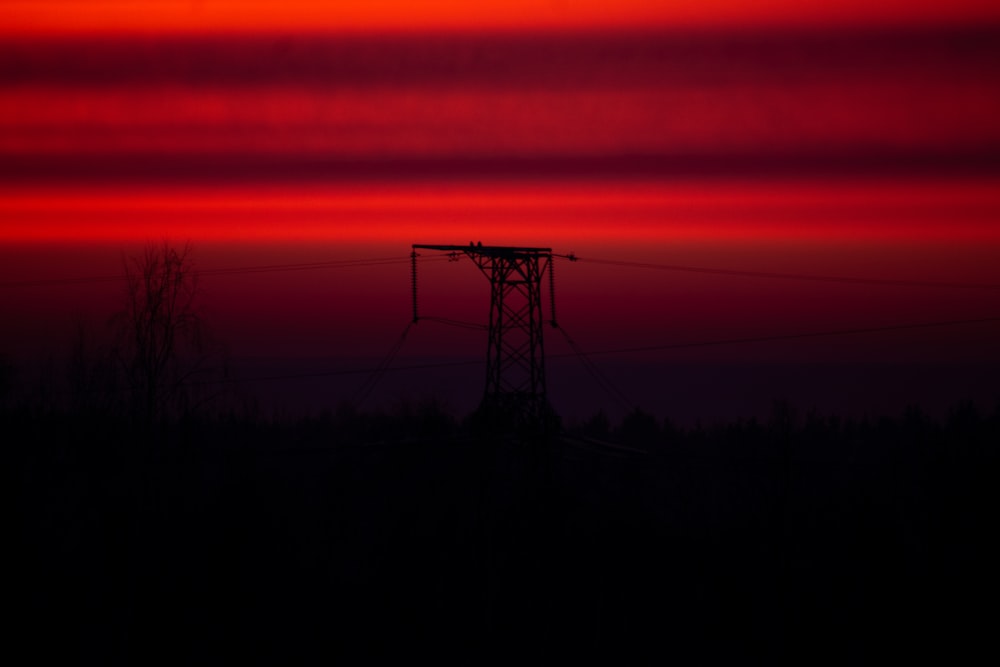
{"x": 786, "y": 276}
{"x": 342, "y": 372}
{"x": 306, "y": 266}
{"x": 372, "y": 380}
{"x": 794, "y": 336}
{"x": 226, "y": 271}
{"x": 625, "y": 350}
{"x": 61, "y": 281}
{"x": 381, "y": 261}
{"x": 600, "y": 378}
{"x": 461, "y": 324}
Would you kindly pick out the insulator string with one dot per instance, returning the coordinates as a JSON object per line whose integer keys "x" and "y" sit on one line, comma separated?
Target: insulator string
{"x": 552, "y": 292}
{"x": 413, "y": 282}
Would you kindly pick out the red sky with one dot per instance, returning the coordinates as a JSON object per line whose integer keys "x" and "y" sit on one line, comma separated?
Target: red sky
{"x": 854, "y": 139}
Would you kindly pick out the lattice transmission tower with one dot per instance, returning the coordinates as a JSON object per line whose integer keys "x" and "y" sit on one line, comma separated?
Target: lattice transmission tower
{"x": 515, "y": 395}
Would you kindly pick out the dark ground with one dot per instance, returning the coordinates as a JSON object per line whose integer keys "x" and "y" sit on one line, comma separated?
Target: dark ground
{"x": 798, "y": 540}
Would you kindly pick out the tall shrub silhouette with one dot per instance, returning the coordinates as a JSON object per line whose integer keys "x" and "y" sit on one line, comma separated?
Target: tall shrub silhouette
{"x": 162, "y": 342}
{"x": 6, "y": 380}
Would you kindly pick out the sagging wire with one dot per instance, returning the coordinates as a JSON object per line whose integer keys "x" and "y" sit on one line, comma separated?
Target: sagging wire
{"x": 372, "y": 380}
{"x": 456, "y": 323}
{"x": 602, "y": 380}
{"x": 413, "y": 282}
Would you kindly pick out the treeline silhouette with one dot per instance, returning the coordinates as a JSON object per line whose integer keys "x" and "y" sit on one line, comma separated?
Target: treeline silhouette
{"x": 161, "y": 517}
{"x": 799, "y": 538}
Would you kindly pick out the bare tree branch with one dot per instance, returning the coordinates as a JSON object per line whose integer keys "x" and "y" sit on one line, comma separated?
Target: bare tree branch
{"x": 162, "y": 335}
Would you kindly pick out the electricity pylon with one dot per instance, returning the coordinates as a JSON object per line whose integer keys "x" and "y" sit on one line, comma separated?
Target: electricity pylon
{"x": 515, "y": 395}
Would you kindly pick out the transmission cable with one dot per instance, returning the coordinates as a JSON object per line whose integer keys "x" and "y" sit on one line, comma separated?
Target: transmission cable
{"x": 795, "y": 336}
{"x": 455, "y": 323}
{"x": 304, "y": 266}
{"x": 784, "y": 276}
{"x": 384, "y": 368}
{"x": 372, "y": 380}
{"x": 600, "y": 378}
{"x": 343, "y": 372}
{"x": 236, "y": 270}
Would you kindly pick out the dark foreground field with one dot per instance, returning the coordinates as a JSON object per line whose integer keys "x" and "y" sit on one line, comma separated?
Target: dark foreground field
{"x": 798, "y": 540}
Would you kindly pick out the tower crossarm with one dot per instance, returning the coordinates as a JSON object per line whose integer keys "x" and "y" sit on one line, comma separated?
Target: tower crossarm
{"x": 483, "y": 249}
{"x": 515, "y": 391}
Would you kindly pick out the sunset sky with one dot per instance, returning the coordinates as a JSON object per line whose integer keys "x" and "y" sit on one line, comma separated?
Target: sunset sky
{"x": 858, "y": 140}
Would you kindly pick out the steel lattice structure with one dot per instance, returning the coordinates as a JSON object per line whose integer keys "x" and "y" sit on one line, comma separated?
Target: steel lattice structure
{"x": 515, "y": 392}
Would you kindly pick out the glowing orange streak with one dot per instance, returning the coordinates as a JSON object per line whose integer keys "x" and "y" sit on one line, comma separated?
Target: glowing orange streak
{"x": 624, "y": 212}
{"x": 244, "y": 15}
{"x": 558, "y": 233}
{"x": 624, "y": 195}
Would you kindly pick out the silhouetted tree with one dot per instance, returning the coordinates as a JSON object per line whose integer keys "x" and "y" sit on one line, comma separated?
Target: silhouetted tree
{"x": 6, "y": 380}
{"x": 638, "y": 428}
{"x": 162, "y": 338}
{"x": 598, "y": 425}
{"x": 92, "y": 374}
